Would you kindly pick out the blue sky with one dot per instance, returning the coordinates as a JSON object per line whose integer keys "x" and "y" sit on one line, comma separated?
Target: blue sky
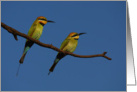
{"x": 105, "y": 25}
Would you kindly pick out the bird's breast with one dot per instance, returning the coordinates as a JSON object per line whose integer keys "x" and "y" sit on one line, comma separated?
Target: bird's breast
{"x": 38, "y": 32}
{"x": 71, "y": 46}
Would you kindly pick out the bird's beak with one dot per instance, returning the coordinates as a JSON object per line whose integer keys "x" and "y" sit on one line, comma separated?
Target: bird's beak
{"x": 81, "y": 33}
{"x": 50, "y": 21}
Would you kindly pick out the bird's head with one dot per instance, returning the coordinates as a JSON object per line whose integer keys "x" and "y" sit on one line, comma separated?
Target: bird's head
{"x": 75, "y": 35}
{"x": 42, "y": 20}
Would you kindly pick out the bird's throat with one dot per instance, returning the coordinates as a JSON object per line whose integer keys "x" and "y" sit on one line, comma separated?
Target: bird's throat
{"x": 76, "y": 38}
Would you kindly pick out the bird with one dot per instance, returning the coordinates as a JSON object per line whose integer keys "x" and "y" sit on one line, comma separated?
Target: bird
{"x": 35, "y": 32}
{"x": 69, "y": 45}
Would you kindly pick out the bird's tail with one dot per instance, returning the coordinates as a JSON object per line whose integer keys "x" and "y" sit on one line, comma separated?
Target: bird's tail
{"x": 53, "y": 66}
{"x": 18, "y": 70}
{"x": 24, "y": 54}
{"x": 21, "y": 62}
{"x": 22, "y": 58}
{"x": 58, "y": 57}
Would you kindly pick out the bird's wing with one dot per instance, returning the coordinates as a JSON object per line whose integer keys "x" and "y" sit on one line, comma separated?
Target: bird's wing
{"x": 36, "y": 36}
{"x": 32, "y": 30}
{"x": 64, "y": 44}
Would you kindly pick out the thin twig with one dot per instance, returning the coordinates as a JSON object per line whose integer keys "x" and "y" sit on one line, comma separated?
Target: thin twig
{"x": 50, "y": 46}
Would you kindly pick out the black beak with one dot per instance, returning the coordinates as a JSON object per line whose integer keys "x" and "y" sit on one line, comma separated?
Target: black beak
{"x": 81, "y": 33}
{"x": 50, "y": 21}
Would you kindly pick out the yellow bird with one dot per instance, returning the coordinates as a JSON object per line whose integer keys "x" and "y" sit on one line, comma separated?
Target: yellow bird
{"x": 69, "y": 44}
{"x": 35, "y": 32}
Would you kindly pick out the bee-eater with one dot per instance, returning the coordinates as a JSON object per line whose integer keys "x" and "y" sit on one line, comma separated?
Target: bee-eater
{"x": 69, "y": 45}
{"x": 35, "y": 32}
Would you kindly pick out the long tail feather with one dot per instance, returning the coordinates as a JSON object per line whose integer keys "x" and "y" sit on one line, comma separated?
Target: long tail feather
{"x": 53, "y": 66}
{"x": 22, "y": 58}
{"x": 21, "y": 62}
{"x": 58, "y": 57}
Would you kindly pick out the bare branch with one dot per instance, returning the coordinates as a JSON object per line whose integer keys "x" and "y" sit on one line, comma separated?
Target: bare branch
{"x": 50, "y": 46}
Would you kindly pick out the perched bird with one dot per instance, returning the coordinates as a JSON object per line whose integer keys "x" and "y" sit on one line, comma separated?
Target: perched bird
{"x": 69, "y": 44}
{"x": 35, "y": 32}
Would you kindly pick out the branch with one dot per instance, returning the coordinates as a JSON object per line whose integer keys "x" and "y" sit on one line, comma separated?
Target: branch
{"x": 50, "y": 46}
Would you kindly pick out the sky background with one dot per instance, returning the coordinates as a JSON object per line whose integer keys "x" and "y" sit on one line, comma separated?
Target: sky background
{"x": 105, "y": 25}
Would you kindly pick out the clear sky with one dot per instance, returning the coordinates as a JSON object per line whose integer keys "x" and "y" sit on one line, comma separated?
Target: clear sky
{"x": 105, "y": 25}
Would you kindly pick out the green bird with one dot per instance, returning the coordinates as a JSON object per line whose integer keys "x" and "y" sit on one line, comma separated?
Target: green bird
{"x": 69, "y": 45}
{"x": 35, "y": 32}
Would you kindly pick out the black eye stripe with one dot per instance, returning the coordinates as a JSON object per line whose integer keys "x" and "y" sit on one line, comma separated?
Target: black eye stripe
{"x": 43, "y": 19}
{"x": 74, "y": 35}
